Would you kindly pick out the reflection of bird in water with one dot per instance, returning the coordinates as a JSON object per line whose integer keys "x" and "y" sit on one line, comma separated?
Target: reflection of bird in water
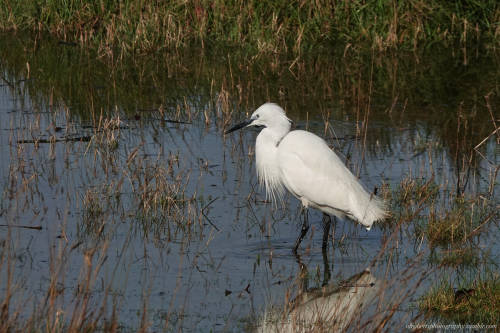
{"x": 331, "y": 308}
{"x": 303, "y": 163}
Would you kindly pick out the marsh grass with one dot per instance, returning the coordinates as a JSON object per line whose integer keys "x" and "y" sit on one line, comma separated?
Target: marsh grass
{"x": 438, "y": 211}
{"x": 477, "y": 301}
{"x": 343, "y": 81}
{"x": 117, "y": 183}
{"x": 117, "y": 28}
{"x": 164, "y": 209}
{"x": 460, "y": 223}
{"x": 411, "y": 197}
{"x": 460, "y": 256}
{"x": 93, "y": 213}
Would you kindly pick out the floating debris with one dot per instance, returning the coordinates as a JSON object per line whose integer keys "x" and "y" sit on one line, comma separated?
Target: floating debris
{"x": 84, "y": 138}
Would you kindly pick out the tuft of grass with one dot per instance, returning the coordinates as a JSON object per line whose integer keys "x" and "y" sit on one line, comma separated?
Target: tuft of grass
{"x": 410, "y": 199}
{"x": 471, "y": 303}
{"x": 459, "y": 223}
{"x": 464, "y": 257}
{"x": 93, "y": 210}
{"x": 443, "y": 220}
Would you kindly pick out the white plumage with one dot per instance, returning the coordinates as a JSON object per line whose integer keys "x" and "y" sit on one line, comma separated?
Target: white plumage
{"x": 303, "y": 163}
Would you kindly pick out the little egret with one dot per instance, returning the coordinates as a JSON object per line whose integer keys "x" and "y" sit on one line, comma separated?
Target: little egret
{"x": 303, "y": 163}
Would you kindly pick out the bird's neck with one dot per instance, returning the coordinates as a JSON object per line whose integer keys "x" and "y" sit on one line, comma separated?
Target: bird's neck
{"x": 275, "y": 134}
{"x": 268, "y": 171}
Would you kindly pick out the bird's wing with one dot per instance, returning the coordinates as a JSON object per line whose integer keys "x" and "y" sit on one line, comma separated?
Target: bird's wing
{"x": 310, "y": 169}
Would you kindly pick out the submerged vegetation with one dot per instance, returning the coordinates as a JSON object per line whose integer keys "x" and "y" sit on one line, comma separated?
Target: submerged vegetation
{"x": 124, "y": 27}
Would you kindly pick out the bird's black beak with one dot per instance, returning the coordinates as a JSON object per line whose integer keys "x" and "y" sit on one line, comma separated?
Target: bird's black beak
{"x": 239, "y": 126}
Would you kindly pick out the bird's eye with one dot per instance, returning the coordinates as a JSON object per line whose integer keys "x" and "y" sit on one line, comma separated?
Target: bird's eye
{"x": 257, "y": 116}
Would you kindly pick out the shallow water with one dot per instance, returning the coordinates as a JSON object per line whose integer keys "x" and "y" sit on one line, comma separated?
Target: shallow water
{"x": 126, "y": 170}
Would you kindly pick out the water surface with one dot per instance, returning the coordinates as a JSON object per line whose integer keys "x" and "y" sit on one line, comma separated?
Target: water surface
{"x": 143, "y": 208}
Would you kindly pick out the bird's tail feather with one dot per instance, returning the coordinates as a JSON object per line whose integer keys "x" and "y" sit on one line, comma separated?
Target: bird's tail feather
{"x": 374, "y": 210}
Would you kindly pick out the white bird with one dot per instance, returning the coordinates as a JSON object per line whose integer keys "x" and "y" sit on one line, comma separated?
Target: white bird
{"x": 303, "y": 163}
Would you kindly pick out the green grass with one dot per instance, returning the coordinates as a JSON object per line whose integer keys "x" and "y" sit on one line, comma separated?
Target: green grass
{"x": 446, "y": 219}
{"x": 463, "y": 257}
{"x": 458, "y": 224}
{"x": 410, "y": 200}
{"x": 136, "y": 26}
{"x": 471, "y": 303}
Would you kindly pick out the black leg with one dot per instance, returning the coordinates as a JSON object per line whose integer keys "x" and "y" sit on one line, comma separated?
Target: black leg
{"x": 326, "y": 231}
{"x": 333, "y": 238}
{"x": 327, "y": 221}
{"x": 326, "y": 267}
{"x": 333, "y": 231}
{"x": 303, "y": 232}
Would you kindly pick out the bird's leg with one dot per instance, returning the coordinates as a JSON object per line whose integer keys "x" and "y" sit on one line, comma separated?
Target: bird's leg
{"x": 327, "y": 221}
{"x": 326, "y": 267}
{"x": 326, "y": 230}
{"x": 333, "y": 239}
{"x": 303, "y": 231}
{"x": 333, "y": 231}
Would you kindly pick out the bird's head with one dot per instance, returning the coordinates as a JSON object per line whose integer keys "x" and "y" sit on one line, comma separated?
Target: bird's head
{"x": 268, "y": 115}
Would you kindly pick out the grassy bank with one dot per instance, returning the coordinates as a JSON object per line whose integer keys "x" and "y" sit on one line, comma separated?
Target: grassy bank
{"x": 475, "y": 302}
{"x": 135, "y": 26}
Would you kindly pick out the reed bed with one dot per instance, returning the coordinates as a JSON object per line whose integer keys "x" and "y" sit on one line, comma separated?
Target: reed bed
{"x": 134, "y": 27}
